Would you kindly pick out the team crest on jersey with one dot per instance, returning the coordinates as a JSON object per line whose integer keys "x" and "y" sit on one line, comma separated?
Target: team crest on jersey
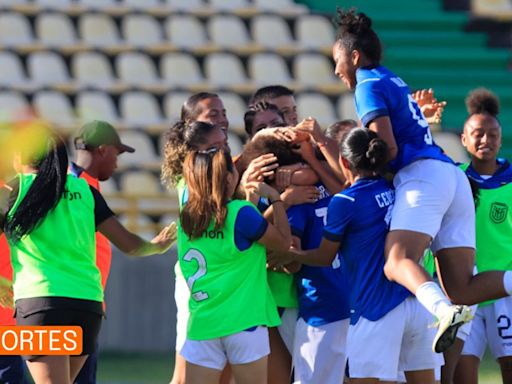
{"x": 498, "y": 212}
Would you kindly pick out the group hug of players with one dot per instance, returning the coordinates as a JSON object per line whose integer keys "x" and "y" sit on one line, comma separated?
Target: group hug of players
{"x": 310, "y": 256}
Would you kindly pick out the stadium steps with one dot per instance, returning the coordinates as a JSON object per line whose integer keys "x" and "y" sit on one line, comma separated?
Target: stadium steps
{"x": 394, "y": 38}
{"x": 429, "y": 48}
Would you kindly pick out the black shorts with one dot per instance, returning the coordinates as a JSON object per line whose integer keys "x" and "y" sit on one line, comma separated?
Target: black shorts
{"x": 62, "y": 311}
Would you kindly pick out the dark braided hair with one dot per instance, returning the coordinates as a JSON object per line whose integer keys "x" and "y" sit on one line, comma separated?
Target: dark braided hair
{"x": 364, "y": 150}
{"x": 45, "y": 192}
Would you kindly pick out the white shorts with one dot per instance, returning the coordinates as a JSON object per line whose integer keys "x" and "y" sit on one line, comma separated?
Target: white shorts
{"x": 287, "y": 327}
{"x": 434, "y": 198}
{"x": 492, "y": 326}
{"x": 400, "y": 341}
{"x": 181, "y": 296}
{"x": 241, "y": 348}
{"x": 465, "y": 330}
{"x": 319, "y": 354}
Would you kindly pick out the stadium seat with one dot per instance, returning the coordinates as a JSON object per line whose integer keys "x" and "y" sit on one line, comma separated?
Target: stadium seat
{"x": 314, "y": 69}
{"x": 140, "y": 183}
{"x": 224, "y": 69}
{"x": 314, "y": 32}
{"x": 47, "y": 68}
{"x": 258, "y": 66}
{"x": 141, "y": 5}
{"x": 228, "y": 31}
{"x": 13, "y": 106}
{"x": 167, "y": 219}
{"x": 346, "y": 107}
{"x": 108, "y": 187}
{"x": 235, "y": 144}
{"x": 144, "y": 186}
{"x": 229, "y": 5}
{"x": 12, "y": 73}
{"x": 172, "y": 104}
{"x": 452, "y": 145}
{"x": 98, "y": 30}
{"x": 141, "y": 30}
{"x": 186, "y": 5}
{"x": 271, "y": 31}
{"x": 144, "y": 155}
{"x": 54, "y": 4}
{"x": 11, "y": 3}
{"x": 55, "y": 30}
{"x": 280, "y": 6}
{"x": 318, "y": 106}
{"x": 180, "y": 69}
{"x": 139, "y": 108}
{"x": 92, "y": 69}
{"x": 98, "y": 4}
{"x": 140, "y": 224}
{"x": 14, "y": 29}
{"x": 96, "y": 105}
{"x": 185, "y": 31}
{"x": 136, "y": 69}
{"x": 235, "y": 109}
{"x": 56, "y": 108}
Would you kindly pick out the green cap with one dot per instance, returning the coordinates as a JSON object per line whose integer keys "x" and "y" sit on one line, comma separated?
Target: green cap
{"x": 96, "y": 133}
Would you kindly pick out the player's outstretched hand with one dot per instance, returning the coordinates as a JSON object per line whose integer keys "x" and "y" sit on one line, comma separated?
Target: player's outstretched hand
{"x": 431, "y": 108}
{"x": 311, "y": 126}
{"x": 166, "y": 238}
{"x": 6, "y": 294}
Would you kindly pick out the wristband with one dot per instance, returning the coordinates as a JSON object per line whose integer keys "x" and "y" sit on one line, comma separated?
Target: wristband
{"x": 276, "y": 201}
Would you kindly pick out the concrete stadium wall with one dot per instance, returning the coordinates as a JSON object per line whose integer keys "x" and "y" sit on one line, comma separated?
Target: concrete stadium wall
{"x": 141, "y": 313}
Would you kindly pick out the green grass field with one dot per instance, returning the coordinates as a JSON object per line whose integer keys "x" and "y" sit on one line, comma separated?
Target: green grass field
{"x": 118, "y": 368}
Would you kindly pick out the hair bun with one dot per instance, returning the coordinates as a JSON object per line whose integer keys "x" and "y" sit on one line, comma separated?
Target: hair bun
{"x": 481, "y": 100}
{"x": 362, "y": 23}
{"x": 377, "y": 151}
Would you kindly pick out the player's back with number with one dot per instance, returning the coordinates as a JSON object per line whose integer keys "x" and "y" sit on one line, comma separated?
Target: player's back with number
{"x": 215, "y": 267}
{"x": 379, "y": 92}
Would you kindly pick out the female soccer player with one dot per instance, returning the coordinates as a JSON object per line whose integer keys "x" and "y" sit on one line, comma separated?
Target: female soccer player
{"x": 388, "y": 331}
{"x": 50, "y": 225}
{"x": 221, "y": 247}
{"x": 182, "y": 138}
{"x": 491, "y": 326}
{"x": 323, "y": 293}
{"x": 434, "y": 206}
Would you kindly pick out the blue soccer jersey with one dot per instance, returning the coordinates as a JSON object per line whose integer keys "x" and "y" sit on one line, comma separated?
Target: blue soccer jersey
{"x": 358, "y": 218}
{"x": 323, "y": 291}
{"x": 379, "y": 92}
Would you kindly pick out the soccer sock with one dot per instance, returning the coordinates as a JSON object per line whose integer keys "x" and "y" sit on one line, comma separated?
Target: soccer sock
{"x": 507, "y": 282}
{"x": 431, "y": 296}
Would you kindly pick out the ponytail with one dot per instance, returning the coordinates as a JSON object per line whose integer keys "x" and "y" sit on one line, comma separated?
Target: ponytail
{"x": 44, "y": 193}
{"x": 206, "y": 174}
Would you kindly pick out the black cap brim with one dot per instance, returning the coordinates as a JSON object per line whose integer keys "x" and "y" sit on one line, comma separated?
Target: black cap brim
{"x": 126, "y": 148}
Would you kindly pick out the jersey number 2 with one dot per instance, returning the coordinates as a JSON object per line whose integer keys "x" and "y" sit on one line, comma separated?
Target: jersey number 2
{"x": 194, "y": 254}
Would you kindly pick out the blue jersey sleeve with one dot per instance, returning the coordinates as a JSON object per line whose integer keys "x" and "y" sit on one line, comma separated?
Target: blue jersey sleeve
{"x": 370, "y": 100}
{"x": 250, "y": 226}
{"x": 339, "y": 214}
{"x": 297, "y": 218}
{"x": 263, "y": 204}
